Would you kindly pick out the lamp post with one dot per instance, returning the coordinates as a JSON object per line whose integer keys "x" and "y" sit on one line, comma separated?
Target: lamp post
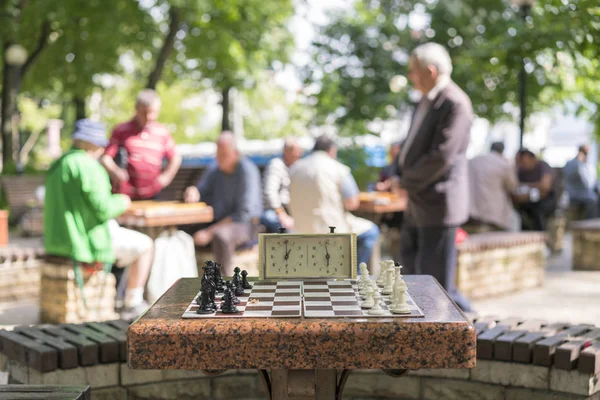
{"x": 15, "y": 56}
{"x": 524, "y": 8}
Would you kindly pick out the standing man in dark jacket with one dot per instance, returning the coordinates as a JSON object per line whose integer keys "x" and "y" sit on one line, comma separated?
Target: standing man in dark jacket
{"x": 434, "y": 169}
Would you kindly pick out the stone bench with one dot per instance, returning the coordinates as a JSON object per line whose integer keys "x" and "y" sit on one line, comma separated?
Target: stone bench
{"x": 517, "y": 359}
{"x": 586, "y": 244}
{"x": 496, "y": 263}
{"x": 44, "y": 392}
{"x": 19, "y": 273}
{"x": 61, "y": 299}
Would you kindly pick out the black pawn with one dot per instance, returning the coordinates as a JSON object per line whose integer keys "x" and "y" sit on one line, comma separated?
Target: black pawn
{"x": 231, "y": 288}
{"x": 228, "y": 306}
{"x": 245, "y": 283}
{"x": 236, "y": 277}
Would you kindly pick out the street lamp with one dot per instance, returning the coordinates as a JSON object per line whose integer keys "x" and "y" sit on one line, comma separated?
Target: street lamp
{"x": 15, "y": 56}
{"x": 524, "y": 8}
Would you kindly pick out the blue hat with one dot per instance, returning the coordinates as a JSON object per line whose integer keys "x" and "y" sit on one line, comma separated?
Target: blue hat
{"x": 91, "y": 132}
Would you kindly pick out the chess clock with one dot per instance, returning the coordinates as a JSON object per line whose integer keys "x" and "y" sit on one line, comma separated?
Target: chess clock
{"x": 307, "y": 256}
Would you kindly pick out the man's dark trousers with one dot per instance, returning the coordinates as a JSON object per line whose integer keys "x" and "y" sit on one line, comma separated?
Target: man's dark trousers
{"x": 432, "y": 251}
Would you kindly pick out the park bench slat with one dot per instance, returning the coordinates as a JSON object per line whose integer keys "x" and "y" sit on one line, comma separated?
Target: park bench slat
{"x": 503, "y": 345}
{"x": 67, "y": 353}
{"x": 119, "y": 335}
{"x": 510, "y": 322}
{"x": 108, "y": 347}
{"x": 86, "y": 349}
{"x": 543, "y": 351}
{"x": 523, "y": 347}
{"x": 28, "y": 352}
{"x": 54, "y": 392}
{"x": 486, "y": 339}
{"x": 567, "y": 353}
{"x": 118, "y": 324}
{"x": 589, "y": 359}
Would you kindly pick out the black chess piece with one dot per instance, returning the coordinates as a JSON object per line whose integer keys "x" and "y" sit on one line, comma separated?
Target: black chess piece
{"x": 208, "y": 282}
{"x": 236, "y": 277}
{"x": 206, "y": 304}
{"x": 231, "y": 288}
{"x": 227, "y": 305}
{"x": 245, "y": 283}
{"x": 219, "y": 282}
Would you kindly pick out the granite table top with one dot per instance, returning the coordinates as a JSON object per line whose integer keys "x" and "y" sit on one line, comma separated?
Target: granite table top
{"x": 444, "y": 338}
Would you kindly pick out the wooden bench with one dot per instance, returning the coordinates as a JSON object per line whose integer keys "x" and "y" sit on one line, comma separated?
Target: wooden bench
{"x": 44, "y": 392}
{"x": 20, "y": 273}
{"x": 496, "y": 263}
{"x": 20, "y": 193}
{"x": 516, "y": 359}
{"x": 586, "y": 244}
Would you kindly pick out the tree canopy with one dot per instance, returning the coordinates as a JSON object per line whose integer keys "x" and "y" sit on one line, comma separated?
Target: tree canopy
{"x": 357, "y": 54}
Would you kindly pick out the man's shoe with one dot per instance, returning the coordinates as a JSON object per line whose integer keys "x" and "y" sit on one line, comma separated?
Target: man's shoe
{"x": 131, "y": 313}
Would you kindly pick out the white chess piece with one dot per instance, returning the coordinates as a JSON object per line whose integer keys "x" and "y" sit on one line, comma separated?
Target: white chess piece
{"x": 400, "y": 289}
{"x": 376, "y": 309}
{"x": 369, "y": 301}
{"x": 389, "y": 284}
{"x": 382, "y": 269}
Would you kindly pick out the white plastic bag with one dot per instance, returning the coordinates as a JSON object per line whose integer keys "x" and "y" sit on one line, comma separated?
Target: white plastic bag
{"x": 174, "y": 258}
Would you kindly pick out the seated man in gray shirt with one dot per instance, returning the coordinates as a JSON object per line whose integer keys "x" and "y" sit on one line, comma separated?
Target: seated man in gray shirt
{"x": 232, "y": 188}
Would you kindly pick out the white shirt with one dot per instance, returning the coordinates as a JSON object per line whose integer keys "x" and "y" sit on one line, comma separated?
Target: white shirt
{"x": 422, "y": 110}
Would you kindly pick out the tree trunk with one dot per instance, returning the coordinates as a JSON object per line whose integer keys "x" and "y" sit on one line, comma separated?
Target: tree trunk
{"x": 80, "y": 111}
{"x": 167, "y": 48}
{"x": 225, "y": 124}
{"x": 8, "y": 99}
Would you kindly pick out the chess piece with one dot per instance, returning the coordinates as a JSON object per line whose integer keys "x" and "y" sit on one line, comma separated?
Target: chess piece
{"x": 236, "y": 277}
{"x": 206, "y": 305}
{"x": 369, "y": 301}
{"x": 245, "y": 283}
{"x": 389, "y": 282}
{"x": 227, "y": 305}
{"x": 376, "y": 309}
{"x": 400, "y": 289}
{"x": 219, "y": 282}
{"x": 229, "y": 286}
{"x": 208, "y": 282}
{"x": 381, "y": 276}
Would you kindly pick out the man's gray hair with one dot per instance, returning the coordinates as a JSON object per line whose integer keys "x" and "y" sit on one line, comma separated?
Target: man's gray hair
{"x": 148, "y": 97}
{"x": 435, "y": 55}
{"x": 289, "y": 143}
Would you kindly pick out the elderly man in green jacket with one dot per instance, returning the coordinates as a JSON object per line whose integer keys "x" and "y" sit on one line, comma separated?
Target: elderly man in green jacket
{"x": 79, "y": 212}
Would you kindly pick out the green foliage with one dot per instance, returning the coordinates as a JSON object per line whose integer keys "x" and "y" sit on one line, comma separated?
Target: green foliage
{"x": 357, "y": 54}
{"x": 356, "y": 158}
{"x": 271, "y": 113}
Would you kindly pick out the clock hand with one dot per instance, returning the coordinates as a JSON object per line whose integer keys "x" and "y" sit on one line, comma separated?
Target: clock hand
{"x": 327, "y": 255}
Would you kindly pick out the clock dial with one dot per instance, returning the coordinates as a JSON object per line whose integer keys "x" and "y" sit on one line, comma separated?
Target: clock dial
{"x": 308, "y": 256}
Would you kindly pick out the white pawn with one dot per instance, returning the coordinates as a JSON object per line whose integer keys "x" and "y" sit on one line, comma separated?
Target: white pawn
{"x": 389, "y": 284}
{"x": 400, "y": 289}
{"x": 369, "y": 301}
{"x": 376, "y": 309}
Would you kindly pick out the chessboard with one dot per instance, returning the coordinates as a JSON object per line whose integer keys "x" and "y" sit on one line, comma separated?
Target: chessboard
{"x": 335, "y": 299}
{"x": 265, "y": 300}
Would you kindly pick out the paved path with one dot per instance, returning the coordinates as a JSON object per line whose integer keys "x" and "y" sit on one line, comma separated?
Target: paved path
{"x": 569, "y": 296}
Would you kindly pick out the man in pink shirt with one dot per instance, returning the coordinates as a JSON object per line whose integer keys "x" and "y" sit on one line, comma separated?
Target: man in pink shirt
{"x": 142, "y": 144}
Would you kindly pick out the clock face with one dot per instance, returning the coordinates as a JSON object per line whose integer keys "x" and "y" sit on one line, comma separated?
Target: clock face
{"x": 308, "y": 256}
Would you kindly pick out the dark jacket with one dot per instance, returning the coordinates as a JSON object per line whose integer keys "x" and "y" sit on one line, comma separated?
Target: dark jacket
{"x": 434, "y": 172}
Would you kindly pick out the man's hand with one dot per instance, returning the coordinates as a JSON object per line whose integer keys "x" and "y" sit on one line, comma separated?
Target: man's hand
{"x": 286, "y": 221}
{"x": 395, "y": 186}
{"x": 191, "y": 195}
{"x": 163, "y": 180}
{"x": 203, "y": 237}
{"x": 383, "y": 186}
{"x": 120, "y": 176}
{"x": 127, "y": 202}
